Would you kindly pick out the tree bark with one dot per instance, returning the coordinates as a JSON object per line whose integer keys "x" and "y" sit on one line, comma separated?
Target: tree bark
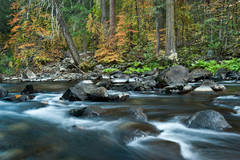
{"x": 112, "y": 17}
{"x": 157, "y": 34}
{"x": 66, "y": 34}
{"x": 157, "y": 4}
{"x": 104, "y": 16}
{"x": 138, "y": 18}
{"x": 170, "y": 33}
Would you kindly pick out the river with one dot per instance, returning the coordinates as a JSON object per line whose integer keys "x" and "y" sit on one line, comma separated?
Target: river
{"x": 42, "y": 129}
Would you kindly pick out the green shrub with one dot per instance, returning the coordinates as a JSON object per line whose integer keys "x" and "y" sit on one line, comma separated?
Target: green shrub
{"x": 6, "y": 64}
{"x": 213, "y": 66}
{"x": 110, "y": 70}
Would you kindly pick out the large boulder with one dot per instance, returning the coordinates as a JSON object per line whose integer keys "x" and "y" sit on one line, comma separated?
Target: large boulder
{"x": 208, "y": 119}
{"x": 88, "y": 91}
{"x": 85, "y": 91}
{"x": 91, "y": 111}
{"x": 176, "y": 75}
{"x": 3, "y": 92}
{"x": 199, "y": 74}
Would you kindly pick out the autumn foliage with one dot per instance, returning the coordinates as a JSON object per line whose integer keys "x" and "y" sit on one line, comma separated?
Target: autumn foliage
{"x": 32, "y": 39}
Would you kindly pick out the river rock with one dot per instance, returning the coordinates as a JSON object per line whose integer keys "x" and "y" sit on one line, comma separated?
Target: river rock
{"x": 214, "y": 85}
{"x": 187, "y": 88}
{"x": 209, "y": 86}
{"x": 91, "y": 111}
{"x": 28, "y": 89}
{"x": 176, "y": 75}
{"x": 119, "y": 78}
{"x": 208, "y": 119}
{"x": 104, "y": 83}
{"x": 28, "y": 74}
{"x": 203, "y": 89}
{"x": 17, "y": 98}
{"x": 128, "y": 131}
{"x": 138, "y": 114}
{"x": 87, "y": 91}
{"x": 225, "y": 74}
{"x": 121, "y": 96}
{"x": 3, "y": 92}
{"x": 199, "y": 74}
{"x": 174, "y": 89}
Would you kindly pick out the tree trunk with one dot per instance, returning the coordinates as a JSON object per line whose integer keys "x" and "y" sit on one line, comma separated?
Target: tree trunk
{"x": 66, "y": 34}
{"x": 104, "y": 17}
{"x": 112, "y": 18}
{"x": 157, "y": 35}
{"x": 138, "y": 18}
{"x": 170, "y": 46}
{"x": 157, "y": 4}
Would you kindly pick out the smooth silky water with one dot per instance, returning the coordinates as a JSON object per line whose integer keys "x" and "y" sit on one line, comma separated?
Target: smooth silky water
{"x": 41, "y": 129}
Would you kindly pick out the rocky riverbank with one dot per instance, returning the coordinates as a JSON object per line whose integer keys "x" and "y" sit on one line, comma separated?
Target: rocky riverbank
{"x": 176, "y": 79}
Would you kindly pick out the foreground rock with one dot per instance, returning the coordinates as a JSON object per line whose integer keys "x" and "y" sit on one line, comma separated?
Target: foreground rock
{"x": 91, "y": 111}
{"x": 17, "y": 98}
{"x": 129, "y": 131}
{"x": 3, "y": 92}
{"x": 208, "y": 119}
{"x": 87, "y": 91}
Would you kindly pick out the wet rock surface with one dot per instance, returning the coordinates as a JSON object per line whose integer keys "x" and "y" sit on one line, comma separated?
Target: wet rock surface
{"x": 138, "y": 114}
{"x": 129, "y": 131}
{"x": 87, "y": 91}
{"x": 208, "y": 119}
{"x": 28, "y": 89}
{"x": 17, "y": 98}
{"x": 3, "y": 92}
{"x": 199, "y": 74}
{"x": 176, "y": 75}
{"x": 225, "y": 74}
{"x": 90, "y": 111}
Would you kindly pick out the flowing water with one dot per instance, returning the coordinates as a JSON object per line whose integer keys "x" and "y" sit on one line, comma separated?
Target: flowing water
{"x": 41, "y": 129}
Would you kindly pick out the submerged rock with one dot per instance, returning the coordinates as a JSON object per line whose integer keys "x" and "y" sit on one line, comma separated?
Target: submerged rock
{"x": 3, "y": 92}
{"x": 208, "y": 119}
{"x": 91, "y": 111}
{"x": 138, "y": 114}
{"x": 128, "y": 131}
